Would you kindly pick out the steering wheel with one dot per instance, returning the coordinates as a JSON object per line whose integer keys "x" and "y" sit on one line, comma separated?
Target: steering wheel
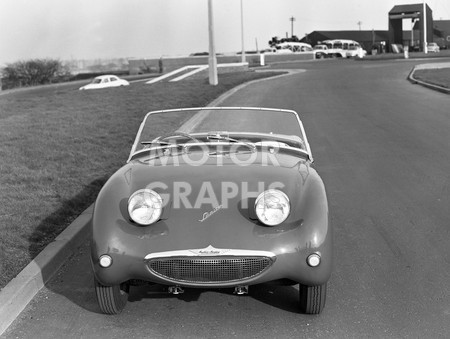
{"x": 177, "y": 134}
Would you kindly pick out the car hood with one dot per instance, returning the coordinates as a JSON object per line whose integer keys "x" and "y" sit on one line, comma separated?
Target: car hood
{"x": 219, "y": 189}
{"x": 212, "y": 203}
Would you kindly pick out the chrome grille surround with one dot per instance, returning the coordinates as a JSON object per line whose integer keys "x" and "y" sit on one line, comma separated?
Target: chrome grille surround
{"x": 209, "y": 265}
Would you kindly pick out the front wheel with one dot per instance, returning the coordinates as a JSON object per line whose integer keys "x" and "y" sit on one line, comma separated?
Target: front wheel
{"x": 111, "y": 299}
{"x": 312, "y": 298}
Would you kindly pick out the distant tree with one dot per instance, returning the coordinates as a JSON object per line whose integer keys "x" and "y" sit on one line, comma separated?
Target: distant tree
{"x": 33, "y": 72}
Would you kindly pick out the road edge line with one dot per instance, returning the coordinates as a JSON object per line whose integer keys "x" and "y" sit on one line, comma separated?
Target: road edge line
{"x": 415, "y": 81}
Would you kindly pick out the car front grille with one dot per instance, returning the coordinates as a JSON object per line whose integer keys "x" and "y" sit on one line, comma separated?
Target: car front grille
{"x": 209, "y": 269}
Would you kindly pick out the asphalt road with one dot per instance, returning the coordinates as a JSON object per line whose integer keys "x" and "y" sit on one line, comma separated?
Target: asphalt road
{"x": 382, "y": 147}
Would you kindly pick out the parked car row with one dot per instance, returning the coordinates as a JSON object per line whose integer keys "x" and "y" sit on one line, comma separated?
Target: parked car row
{"x": 291, "y": 47}
{"x": 432, "y": 47}
{"x": 326, "y": 49}
{"x": 339, "y": 49}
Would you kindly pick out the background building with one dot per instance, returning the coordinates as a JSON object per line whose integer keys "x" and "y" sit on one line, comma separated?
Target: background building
{"x": 437, "y": 31}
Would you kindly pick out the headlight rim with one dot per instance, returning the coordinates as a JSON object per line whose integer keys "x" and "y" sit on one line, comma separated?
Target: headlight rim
{"x": 278, "y": 192}
{"x": 159, "y": 211}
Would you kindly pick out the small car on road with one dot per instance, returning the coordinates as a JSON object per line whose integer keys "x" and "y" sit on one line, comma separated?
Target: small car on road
{"x": 320, "y": 51}
{"x": 356, "y": 52}
{"x": 105, "y": 81}
{"x": 433, "y": 47}
{"x": 214, "y": 197}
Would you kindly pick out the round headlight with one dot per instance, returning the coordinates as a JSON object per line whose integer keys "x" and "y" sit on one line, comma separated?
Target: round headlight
{"x": 105, "y": 261}
{"x": 272, "y": 207}
{"x": 145, "y": 206}
{"x": 313, "y": 259}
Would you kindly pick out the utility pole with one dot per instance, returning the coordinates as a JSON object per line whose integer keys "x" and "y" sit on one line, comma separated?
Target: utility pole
{"x": 242, "y": 34}
{"x": 292, "y": 19}
{"x": 212, "y": 60}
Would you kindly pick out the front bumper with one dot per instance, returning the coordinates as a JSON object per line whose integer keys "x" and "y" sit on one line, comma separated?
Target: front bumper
{"x": 217, "y": 267}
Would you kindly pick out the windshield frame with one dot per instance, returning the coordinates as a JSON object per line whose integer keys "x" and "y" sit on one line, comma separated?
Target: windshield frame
{"x": 135, "y": 151}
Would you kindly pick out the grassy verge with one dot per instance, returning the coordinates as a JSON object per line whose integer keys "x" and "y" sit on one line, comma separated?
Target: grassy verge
{"x": 439, "y": 77}
{"x": 59, "y": 145}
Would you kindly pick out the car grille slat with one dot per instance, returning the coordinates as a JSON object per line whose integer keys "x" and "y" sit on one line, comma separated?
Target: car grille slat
{"x": 209, "y": 269}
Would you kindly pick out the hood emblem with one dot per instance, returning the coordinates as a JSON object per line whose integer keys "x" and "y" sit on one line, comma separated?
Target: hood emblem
{"x": 210, "y": 250}
{"x": 206, "y": 215}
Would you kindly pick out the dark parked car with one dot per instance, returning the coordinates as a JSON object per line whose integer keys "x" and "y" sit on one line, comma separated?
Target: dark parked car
{"x": 214, "y": 198}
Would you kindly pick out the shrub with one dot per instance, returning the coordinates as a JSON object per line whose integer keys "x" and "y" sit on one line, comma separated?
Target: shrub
{"x": 33, "y": 72}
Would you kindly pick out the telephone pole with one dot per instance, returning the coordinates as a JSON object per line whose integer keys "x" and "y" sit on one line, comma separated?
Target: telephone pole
{"x": 292, "y": 19}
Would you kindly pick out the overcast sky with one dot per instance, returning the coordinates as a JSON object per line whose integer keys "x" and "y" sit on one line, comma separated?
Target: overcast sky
{"x": 90, "y": 29}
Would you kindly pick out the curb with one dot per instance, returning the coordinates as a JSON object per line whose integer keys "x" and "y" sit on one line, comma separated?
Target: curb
{"x": 413, "y": 80}
{"x": 223, "y": 97}
{"x": 16, "y": 295}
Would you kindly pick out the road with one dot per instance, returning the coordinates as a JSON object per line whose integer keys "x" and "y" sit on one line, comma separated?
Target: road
{"x": 381, "y": 145}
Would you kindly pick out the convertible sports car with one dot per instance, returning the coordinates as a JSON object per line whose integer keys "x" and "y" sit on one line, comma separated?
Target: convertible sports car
{"x": 214, "y": 197}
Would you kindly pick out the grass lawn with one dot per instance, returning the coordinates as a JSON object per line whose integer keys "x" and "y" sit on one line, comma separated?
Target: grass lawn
{"x": 58, "y": 146}
{"x": 440, "y": 77}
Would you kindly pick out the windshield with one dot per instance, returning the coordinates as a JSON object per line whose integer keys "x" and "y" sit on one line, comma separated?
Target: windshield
{"x": 241, "y": 124}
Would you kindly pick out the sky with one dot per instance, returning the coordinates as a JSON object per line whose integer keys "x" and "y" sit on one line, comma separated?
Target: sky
{"x": 103, "y": 29}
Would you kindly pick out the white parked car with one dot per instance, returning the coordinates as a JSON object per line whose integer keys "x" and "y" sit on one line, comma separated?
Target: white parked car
{"x": 320, "y": 51}
{"x": 433, "y": 47}
{"x": 356, "y": 52}
{"x": 104, "y": 81}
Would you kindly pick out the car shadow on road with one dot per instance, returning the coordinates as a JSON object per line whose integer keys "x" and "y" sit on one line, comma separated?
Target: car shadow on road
{"x": 285, "y": 298}
{"x": 67, "y": 279}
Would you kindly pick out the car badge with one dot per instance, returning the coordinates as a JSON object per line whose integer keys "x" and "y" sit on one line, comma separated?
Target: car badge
{"x": 209, "y": 251}
{"x": 206, "y": 215}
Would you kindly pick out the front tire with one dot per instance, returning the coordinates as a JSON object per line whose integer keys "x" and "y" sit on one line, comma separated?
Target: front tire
{"x": 111, "y": 299}
{"x": 312, "y": 298}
